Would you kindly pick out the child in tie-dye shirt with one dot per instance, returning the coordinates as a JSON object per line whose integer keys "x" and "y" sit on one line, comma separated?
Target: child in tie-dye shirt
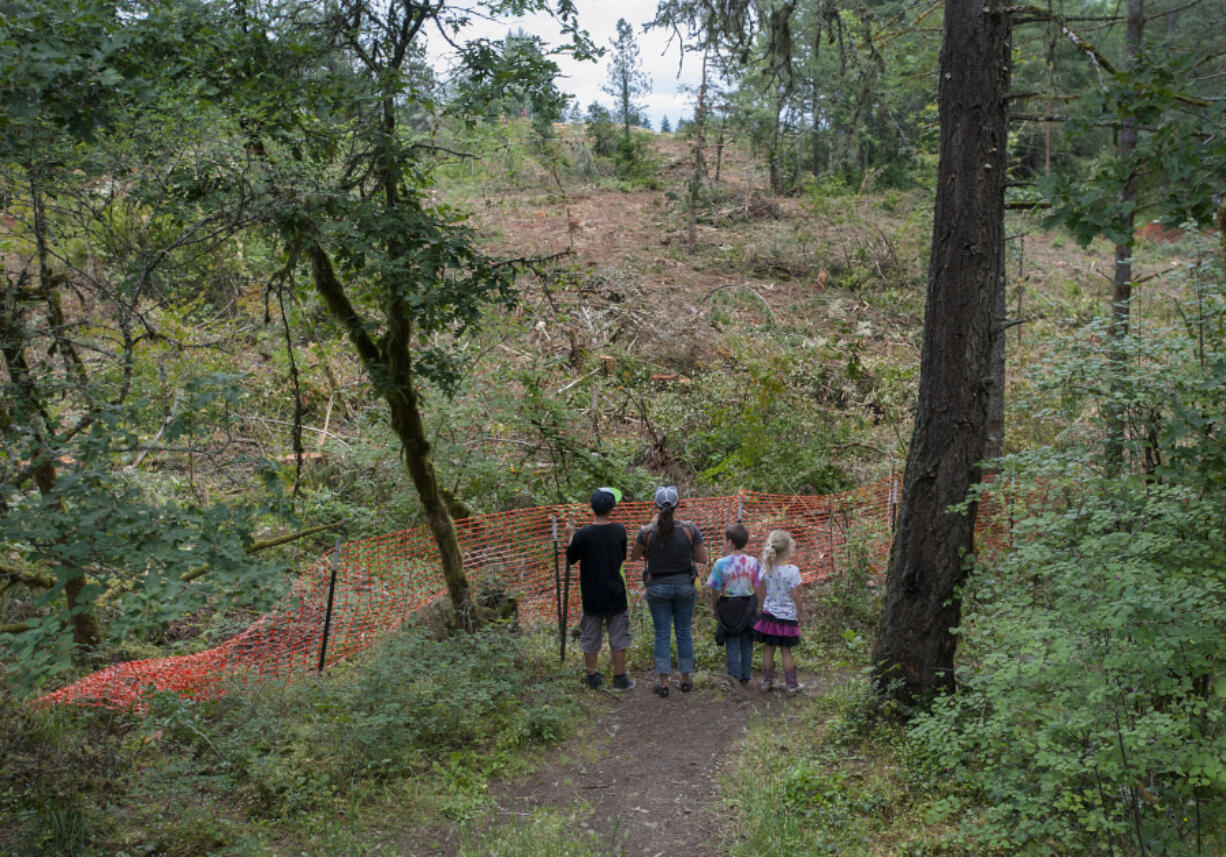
{"x": 733, "y": 582}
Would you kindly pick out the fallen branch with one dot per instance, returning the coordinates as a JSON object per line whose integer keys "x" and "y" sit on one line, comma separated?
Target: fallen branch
{"x": 578, "y": 380}
{"x": 14, "y": 628}
{"x": 323, "y": 432}
{"x": 273, "y": 541}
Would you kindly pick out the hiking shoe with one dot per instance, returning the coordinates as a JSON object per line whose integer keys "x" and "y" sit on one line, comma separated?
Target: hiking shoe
{"x": 793, "y": 684}
{"x": 593, "y": 680}
{"x": 623, "y": 683}
{"x": 767, "y": 684}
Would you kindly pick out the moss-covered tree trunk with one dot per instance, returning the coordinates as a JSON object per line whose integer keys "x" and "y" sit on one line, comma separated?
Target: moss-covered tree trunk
{"x": 32, "y": 411}
{"x": 391, "y": 370}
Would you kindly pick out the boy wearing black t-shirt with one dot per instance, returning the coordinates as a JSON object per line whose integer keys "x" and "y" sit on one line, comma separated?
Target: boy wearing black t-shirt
{"x": 600, "y": 550}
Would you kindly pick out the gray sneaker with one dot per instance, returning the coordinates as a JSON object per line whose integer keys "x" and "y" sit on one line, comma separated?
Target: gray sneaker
{"x": 623, "y": 683}
{"x": 594, "y": 680}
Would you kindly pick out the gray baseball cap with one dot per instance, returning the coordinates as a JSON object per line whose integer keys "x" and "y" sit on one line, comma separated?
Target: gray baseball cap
{"x": 666, "y": 497}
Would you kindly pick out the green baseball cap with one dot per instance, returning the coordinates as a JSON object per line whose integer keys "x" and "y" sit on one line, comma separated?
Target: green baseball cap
{"x": 617, "y": 495}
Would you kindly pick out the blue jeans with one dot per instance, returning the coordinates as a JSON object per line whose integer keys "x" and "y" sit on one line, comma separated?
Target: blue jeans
{"x": 738, "y": 655}
{"x": 672, "y": 605}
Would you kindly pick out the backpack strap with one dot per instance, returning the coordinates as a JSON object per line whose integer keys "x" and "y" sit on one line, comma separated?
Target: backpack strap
{"x": 689, "y": 536}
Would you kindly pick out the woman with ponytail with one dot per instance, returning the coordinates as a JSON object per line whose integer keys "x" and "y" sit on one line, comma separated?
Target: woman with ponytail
{"x": 671, "y": 548}
{"x": 779, "y": 626}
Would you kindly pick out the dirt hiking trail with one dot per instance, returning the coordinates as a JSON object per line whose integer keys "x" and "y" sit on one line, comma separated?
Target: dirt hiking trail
{"x": 644, "y": 773}
{"x": 652, "y": 766}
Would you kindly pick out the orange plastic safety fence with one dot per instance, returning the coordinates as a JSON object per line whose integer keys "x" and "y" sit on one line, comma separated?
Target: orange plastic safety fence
{"x": 383, "y": 581}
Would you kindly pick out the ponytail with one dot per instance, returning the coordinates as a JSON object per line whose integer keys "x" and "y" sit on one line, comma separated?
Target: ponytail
{"x": 778, "y": 543}
{"x": 665, "y": 524}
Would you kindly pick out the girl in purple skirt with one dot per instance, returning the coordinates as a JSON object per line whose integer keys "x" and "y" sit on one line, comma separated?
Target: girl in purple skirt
{"x": 780, "y": 622}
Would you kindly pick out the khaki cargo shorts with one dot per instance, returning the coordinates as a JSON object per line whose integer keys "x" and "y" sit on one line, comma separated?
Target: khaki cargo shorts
{"x": 590, "y": 628}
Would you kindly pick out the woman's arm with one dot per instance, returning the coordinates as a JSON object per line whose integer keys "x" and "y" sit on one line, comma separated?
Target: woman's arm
{"x": 636, "y": 550}
{"x": 700, "y": 553}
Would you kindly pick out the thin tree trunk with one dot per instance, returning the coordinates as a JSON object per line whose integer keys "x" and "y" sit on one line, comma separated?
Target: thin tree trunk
{"x": 816, "y": 133}
{"x": 86, "y": 630}
{"x": 914, "y": 653}
{"x": 625, "y": 99}
{"x": 800, "y": 148}
{"x": 773, "y": 156}
{"x": 1121, "y": 294}
{"x": 700, "y": 168}
{"x": 407, "y": 421}
{"x": 995, "y": 446}
{"x": 1221, "y": 230}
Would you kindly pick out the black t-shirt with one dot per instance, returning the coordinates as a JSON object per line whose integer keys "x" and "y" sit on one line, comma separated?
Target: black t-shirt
{"x": 600, "y": 550}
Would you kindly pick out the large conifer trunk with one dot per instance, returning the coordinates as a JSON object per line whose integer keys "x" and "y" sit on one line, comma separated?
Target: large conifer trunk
{"x": 915, "y": 649}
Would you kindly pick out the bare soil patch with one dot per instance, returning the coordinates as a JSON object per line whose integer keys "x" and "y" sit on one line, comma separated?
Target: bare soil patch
{"x": 644, "y": 773}
{"x": 647, "y": 777}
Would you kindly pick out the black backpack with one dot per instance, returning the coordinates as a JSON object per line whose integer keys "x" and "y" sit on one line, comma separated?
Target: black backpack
{"x": 689, "y": 537}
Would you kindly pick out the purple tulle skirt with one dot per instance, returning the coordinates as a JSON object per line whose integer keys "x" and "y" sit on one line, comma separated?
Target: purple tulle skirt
{"x": 771, "y": 631}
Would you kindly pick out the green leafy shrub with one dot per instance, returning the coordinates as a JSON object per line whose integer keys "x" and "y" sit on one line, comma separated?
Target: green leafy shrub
{"x": 601, "y": 130}
{"x": 390, "y": 716}
{"x": 837, "y": 783}
{"x": 133, "y": 541}
{"x": 635, "y": 163}
{"x": 756, "y": 430}
{"x": 849, "y": 600}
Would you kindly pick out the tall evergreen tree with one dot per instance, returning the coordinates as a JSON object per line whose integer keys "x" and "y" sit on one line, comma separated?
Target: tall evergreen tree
{"x": 915, "y": 649}
{"x": 627, "y": 81}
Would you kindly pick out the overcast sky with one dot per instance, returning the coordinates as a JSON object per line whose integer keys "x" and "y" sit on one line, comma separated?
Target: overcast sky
{"x": 584, "y": 80}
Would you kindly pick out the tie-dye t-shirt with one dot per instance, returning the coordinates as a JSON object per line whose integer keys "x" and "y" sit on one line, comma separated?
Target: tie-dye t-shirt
{"x": 779, "y": 583}
{"x": 736, "y": 575}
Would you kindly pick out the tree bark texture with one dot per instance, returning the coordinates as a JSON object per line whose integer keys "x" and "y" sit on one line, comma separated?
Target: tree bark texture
{"x": 914, "y": 653}
{"x": 995, "y": 447}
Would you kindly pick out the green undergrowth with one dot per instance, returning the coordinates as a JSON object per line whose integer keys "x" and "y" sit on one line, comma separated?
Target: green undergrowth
{"x": 415, "y": 729}
{"x": 836, "y": 780}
